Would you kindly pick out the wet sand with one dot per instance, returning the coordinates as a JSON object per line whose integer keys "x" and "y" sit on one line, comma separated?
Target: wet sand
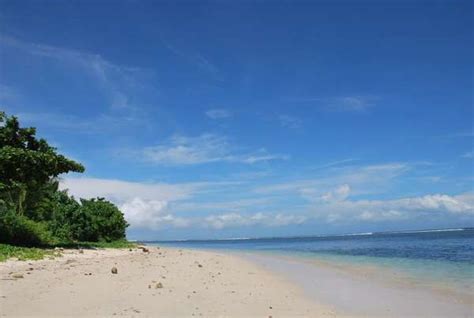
{"x": 362, "y": 293}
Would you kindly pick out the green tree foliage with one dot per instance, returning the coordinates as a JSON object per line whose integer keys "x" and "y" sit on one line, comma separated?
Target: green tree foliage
{"x": 32, "y": 209}
{"x": 65, "y": 218}
{"x": 90, "y": 221}
{"x": 20, "y": 230}
{"x": 108, "y": 223}
{"x": 27, "y": 165}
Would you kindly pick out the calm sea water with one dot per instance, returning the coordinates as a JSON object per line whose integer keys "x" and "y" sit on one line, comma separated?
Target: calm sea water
{"x": 442, "y": 256}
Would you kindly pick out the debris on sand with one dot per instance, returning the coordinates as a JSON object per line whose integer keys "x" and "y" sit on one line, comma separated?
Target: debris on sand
{"x": 144, "y": 249}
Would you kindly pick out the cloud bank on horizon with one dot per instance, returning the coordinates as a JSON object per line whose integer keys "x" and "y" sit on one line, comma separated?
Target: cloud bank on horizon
{"x": 156, "y": 206}
{"x": 203, "y": 128}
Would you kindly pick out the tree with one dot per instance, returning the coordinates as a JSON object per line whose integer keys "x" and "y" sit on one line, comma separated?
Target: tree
{"x": 107, "y": 222}
{"x": 92, "y": 220}
{"x": 32, "y": 209}
{"x": 27, "y": 165}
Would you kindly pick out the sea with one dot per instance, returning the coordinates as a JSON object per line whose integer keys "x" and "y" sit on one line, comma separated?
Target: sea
{"x": 435, "y": 257}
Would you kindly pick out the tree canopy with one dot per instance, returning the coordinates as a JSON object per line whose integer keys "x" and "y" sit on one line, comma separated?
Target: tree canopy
{"x": 32, "y": 209}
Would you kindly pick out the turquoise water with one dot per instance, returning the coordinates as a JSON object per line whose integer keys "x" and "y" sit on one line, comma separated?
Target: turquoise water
{"x": 442, "y": 258}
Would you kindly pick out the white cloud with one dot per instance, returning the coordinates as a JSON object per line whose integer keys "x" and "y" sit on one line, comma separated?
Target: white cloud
{"x": 115, "y": 80}
{"x": 154, "y": 214}
{"x": 223, "y": 220}
{"x": 145, "y": 205}
{"x": 339, "y": 194}
{"x": 328, "y": 197}
{"x": 336, "y": 163}
{"x": 261, "y": 155}
{"x": 161, "y": 205}
{"x": 117, "y": 85}
{"x": 437, "y": 202}
{"x": 264, "y": 219}
{"x": 396, "y": 209}
{"x": 228, "y": 205}
{"x": 282, "y": 219}
{"x": 218, "y": 113}
{"x": 181, "y": 150}
{"x": 150, "y": 214}
{"x": 206, "y": 148}
{"x": 378, "y": 215}
{"x": 155, "y": 205}
{"x": 360, "y": 180}
{"x": 120, "y": 191}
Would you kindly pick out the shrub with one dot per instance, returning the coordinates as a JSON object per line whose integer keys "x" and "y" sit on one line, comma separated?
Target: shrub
{"x": 65, "y": 213}
{"x": 89, "y": 221}
{"x": 107, "y": 221}
{"x": 18, "y": 229}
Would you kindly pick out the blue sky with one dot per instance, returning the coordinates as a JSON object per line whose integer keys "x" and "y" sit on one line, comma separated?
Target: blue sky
{"x": 234, "y": 119}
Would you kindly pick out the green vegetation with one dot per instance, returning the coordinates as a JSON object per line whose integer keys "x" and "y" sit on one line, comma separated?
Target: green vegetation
{"x": 34, "y": 212}
{"x": 24, "y": 253}
{"x": 114, "y": 244}
{"x": 34, "y": 253}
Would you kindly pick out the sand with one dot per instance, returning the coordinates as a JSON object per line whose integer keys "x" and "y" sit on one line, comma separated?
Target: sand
{"x": 193, "y": 284}
{"x": 367, "y": 292}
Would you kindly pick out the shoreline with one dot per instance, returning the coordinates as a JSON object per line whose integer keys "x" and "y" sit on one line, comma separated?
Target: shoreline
{"x": 180, "y": 282}
{"x": 382, "y": 274}
{"x": 358, "y": 291}
{"x": 166, "y": 282}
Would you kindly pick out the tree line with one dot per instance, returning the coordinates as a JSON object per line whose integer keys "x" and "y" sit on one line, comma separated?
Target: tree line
{"x": 33, "y": 211}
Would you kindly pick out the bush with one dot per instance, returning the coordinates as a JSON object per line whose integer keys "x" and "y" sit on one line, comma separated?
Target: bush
{"x": 107, "y": 222}
{"x": 19, "y": 230}
{"x": 94, "y": 220}
{"x": 65, "y": 216}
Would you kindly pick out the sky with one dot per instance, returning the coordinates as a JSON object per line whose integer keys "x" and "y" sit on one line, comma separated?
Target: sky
{"x": 228, "y": 119}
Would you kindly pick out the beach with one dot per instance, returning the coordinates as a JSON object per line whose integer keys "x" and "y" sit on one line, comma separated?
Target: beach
{"x": 368, "y": 291}
{"x": 177, "y": 282}
{"x": 164, "y": 282}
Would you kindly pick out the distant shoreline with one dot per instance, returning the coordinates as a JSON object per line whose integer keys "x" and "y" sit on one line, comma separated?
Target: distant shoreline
{"x": 309, "y": 236}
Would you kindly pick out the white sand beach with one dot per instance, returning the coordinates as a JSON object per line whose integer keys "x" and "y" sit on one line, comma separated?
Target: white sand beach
{"x": 193, "y": 284}
{"x": 172, "y": 282}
